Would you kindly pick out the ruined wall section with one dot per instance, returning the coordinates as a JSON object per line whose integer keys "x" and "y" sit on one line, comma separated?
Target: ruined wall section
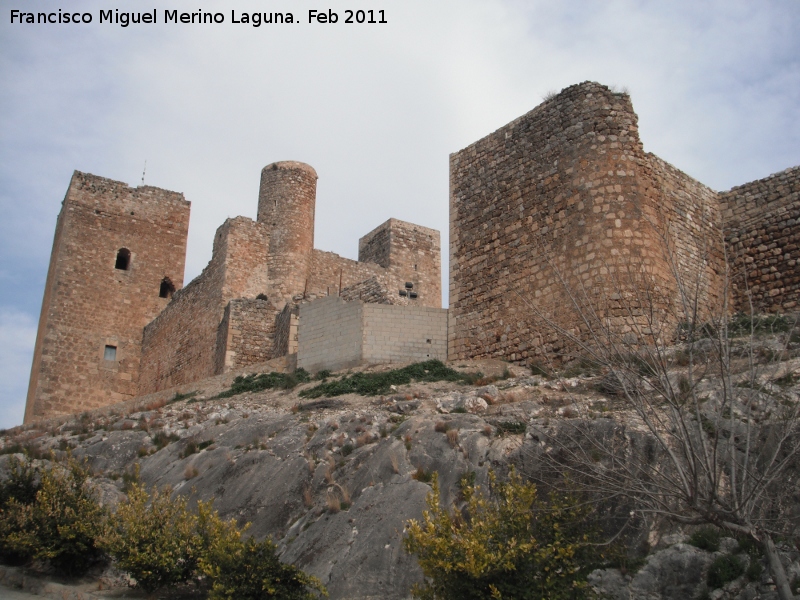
{"x": 245, "y": 335}
{"x": 91, "y": 304}
{"x": 329, "y": 269}
{"x": 285, "y": 336}
{"x": 558, "y": 210}
{"x": 373, "y": 291}
{"x": 762, "y": 227}
{"x": 410, "y": 254}
{"x": 180, "y": 345}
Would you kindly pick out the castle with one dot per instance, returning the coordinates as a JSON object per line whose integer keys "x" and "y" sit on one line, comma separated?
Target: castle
{"x": 562, "y": 198}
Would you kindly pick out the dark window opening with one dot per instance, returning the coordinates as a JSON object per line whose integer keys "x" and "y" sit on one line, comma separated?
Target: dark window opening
{"x": 123, "y": 259}
{"x": 403, "y": 293}
{"x": 262, "y": 297}
{"x": 167, "y": 289}
{"x": 409, "y": 285}
{"x": 110, "y": 353}
{"x": 412, "y": 295}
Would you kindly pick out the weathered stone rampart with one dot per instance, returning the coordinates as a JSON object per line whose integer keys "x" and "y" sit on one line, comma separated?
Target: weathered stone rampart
{"x": 246, "y": 334}
{"x": 180, "y": 345}
{"x": 114, "y": 247}
{"x": 559, "y": 211}
{"x": 762, "y": 223}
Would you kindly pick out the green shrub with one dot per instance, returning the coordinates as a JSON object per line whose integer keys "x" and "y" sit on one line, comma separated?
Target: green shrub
{"x": 153, "y": 537}
{"x": 62, "y": 523}
{"x": 251, "y": 571}
{"x": 511, "y": 427}
{"x": 265, "y": 381}
{"x": 372, "y": 384}
{"x": 18, "y": 490}
{"x": 706, "y": 538}
{"x": 162, "y": 440}
{"x": 512, "y": 545}
{"x": 725, "y": 568}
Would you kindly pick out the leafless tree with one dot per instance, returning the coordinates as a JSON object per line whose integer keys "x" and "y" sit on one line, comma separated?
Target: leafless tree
{"x": 708, "y": 419}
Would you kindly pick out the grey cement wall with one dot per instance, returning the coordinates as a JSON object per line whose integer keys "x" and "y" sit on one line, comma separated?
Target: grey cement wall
{"x": 329, "y": 334}
{"x": 334, "y": 334}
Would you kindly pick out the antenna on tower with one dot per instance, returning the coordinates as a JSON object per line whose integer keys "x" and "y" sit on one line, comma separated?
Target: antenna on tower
{"x": 144, "y": 170}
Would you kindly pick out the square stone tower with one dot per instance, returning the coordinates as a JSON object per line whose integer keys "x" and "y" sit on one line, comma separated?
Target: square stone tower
{"x": 118, "y": 256}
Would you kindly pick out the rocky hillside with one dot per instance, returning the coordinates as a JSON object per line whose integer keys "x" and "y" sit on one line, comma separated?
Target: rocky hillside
{"x": 333, "y": 480}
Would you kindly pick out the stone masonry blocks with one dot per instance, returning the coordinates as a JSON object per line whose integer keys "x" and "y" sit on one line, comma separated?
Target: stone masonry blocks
{"x": 114, "y": 246}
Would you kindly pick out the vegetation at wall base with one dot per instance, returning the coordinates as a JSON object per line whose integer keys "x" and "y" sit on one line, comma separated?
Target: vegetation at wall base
{"x": 50, "y": 515}
{"x": 265, "y": 381}
{"x": 508, "y": 544}
{"x": 250, "y": 570}
{"x": 373, "y": 384}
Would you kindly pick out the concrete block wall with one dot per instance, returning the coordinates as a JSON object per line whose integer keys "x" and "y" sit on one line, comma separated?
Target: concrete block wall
{"x": 403, "y": 333}
{"x": 334, "y": 334}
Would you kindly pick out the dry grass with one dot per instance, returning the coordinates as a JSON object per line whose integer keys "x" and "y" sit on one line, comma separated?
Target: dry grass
{"x": 452, "y": 437}
{"x": 190, "y": 472}
{"x": 363, "y": 440}
{"x": 487, "y": 431}
{"x": 395, "y": 462}
{"x": 308, "y": 497}
{"x": 441, "y": 426}
{"x": 332, "y": 500}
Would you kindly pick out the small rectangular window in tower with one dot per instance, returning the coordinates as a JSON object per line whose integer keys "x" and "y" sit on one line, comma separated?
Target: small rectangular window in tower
{"x": 110, "y": 353}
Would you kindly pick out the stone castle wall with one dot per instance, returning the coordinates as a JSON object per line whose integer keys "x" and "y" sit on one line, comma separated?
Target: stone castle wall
{"x": 559, "y": 211}
{"x": 246, "y": 334}
{"x": 90, "y": 304}
{"x": 762, "y": 223}
{"x": 180, "y": 345}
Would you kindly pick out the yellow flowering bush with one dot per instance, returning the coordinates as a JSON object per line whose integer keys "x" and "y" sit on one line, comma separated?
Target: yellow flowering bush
{"x": 507, "y": 545}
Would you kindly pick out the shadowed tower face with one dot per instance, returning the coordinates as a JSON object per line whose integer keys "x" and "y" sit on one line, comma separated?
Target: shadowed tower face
{"x": 118, "y": 255}
{"x": 286, "y": 203}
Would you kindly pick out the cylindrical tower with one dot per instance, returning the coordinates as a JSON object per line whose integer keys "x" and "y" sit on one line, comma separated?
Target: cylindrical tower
{"x": 286, "y": 201}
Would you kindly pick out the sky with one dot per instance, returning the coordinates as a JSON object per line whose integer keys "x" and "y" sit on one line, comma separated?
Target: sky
{"x": 376, "y": 109}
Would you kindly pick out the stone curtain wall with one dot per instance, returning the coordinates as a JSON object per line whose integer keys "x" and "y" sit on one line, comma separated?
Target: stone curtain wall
{"x": 689, "y": 234}
{"x": 762, "y": 226}
{"x": 285, "y": 336}
{"x": 89, "y": 304}
{"x": 326, "y": 268}
{"x": 180, "y": 345}
{"x": 561, "y": 210}
{"x": 245, "y": 335}
{"x": 334, "y": 334}
{"x": 374, "y": 291}
{"x": 329, "y": 334}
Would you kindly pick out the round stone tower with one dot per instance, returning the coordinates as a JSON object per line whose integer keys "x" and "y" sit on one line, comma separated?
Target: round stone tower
{"x": 286, "y": 202}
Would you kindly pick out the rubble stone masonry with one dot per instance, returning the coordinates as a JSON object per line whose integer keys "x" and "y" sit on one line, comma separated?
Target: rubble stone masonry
{"x": 762, "y": 223}
{"x": 114, "y": 247}
{"x": 561, "y": 210}
{"x": 180, "y": 345}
